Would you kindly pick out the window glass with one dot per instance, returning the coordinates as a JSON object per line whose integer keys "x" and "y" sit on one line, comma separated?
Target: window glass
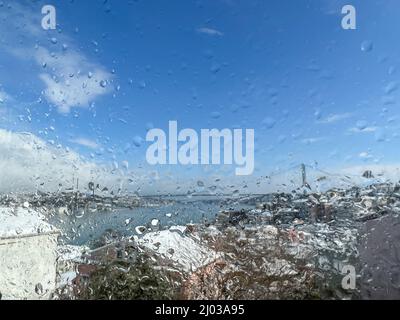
{"x": 204, "y": 149}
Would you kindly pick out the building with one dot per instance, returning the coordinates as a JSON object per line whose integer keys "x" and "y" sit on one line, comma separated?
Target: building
{"x": 28, "y": 255}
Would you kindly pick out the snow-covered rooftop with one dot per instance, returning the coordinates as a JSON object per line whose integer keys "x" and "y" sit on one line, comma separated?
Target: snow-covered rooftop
{"x": 18, "y": 222}
{"x": 184, "y": 250}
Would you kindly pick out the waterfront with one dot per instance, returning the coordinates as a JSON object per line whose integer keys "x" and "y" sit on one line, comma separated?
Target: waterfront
{"x": 82, "y": 229}
{"x": 306, "y": 237}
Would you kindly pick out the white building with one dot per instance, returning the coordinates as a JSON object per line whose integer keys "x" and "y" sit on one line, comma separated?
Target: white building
{"x": 27, "y": 255}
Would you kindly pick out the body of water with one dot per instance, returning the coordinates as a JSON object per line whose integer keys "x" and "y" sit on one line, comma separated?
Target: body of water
{"x": 92, "y": 225}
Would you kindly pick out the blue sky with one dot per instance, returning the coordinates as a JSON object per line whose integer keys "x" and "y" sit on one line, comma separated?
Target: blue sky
{"x": 284, "y": 68}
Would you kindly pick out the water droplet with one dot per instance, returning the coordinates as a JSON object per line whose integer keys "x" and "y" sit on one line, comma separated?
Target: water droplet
{"x": 269, "y": 123}
{"x": 380, "y": 135}
{"x": 215, "y": 115}
{"x": 80, "y": 213}
{"x": 39, "y": 289}
{"x": 367, "y": 46}
{"x": 125, "y": 164}
{"x": 137, "y": 141}
{"x": 391, "y": 87}
{"x": 142, "y": 85}
{"x": 362, "y": 124}
{"x": 103, "y": 83}
{"x": 215, "y": 68}
{"x": 140, "y": 230}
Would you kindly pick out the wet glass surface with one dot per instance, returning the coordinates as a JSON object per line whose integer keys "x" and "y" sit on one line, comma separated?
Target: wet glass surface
{"x": 220, "y": 149}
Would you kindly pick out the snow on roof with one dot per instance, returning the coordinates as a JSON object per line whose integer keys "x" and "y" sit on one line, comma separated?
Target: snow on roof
{"x": 19, "y": 222}
{"x": 71, "y": 253}
{"x": 182, "y": 249}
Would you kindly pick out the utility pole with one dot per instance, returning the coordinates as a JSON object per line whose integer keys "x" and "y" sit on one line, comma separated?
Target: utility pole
{"x": 303, "y": 174}
{"x": 76, "y": 195}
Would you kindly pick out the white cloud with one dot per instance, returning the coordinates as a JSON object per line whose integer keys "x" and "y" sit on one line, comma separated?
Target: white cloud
{"x": 71, "y": 80}
{"x": 335, "y": 118}
{"x": 28, "y": 163}
{"x": 77, "y": 92}
{"x": 364, "y": 130}
{"x": 61, "y": 67}
{"x": 365, "y": 155}
{"x": 85, "y": 142}
{"x": 209, "y": 31}
{"x": 312, "y": 140}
